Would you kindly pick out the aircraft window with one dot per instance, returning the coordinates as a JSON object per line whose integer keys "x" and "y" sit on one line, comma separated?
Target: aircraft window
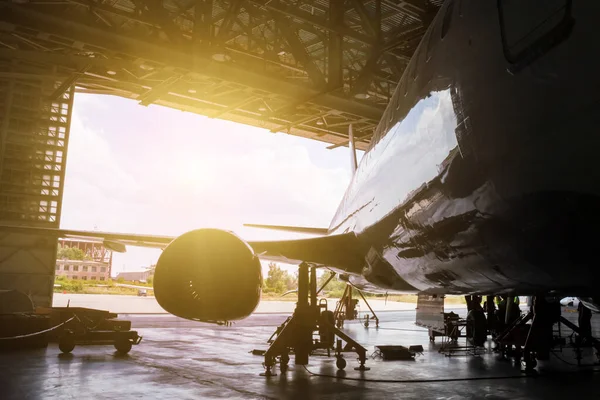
{"x": 447, "y": 19}
{"x": 530, "y": 28}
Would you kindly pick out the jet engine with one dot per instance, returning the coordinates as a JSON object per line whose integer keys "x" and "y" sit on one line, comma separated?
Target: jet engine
{"x": 208, "y": 275}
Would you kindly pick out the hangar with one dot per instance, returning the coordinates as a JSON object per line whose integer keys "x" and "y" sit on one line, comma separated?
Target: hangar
{"x": 310, "y": 69}
{"x": 307, "y": 68}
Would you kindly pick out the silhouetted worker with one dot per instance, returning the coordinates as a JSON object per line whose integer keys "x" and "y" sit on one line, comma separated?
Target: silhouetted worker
{"x": 476, "y": 323}
{"x": 500, "y": 313}
{"x": 514, "y": 311}
{"x": 585, "y": 321}
{"x": 489, "y": 306}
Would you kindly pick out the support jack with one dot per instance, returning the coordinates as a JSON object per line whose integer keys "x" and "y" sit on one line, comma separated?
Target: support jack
{"x": 295, "y": 335}
{"x": 345, "y": 309}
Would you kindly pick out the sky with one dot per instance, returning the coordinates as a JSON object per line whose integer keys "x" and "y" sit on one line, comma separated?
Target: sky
{"x": 156, "y": 170}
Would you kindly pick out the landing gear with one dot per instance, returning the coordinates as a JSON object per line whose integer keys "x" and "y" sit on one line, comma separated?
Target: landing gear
{"x": 296, "y": 333}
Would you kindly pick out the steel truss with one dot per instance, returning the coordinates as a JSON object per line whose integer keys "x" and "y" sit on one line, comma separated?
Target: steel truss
{"x": 309, "y": 68}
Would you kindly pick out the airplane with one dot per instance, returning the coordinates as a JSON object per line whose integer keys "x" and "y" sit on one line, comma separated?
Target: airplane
{"x": 478, "y": 180}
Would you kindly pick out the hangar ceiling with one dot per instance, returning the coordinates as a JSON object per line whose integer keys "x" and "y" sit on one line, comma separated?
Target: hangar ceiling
{"x": 308, "y": 68}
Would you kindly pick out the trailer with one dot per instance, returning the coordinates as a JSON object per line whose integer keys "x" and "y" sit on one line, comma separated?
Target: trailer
{"x": 86, "y": 326}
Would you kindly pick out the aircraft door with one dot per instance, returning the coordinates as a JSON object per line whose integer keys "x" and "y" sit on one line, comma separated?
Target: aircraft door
{"x": 531, "y": 28}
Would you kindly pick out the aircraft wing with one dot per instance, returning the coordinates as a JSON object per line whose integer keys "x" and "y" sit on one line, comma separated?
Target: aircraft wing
{"x": 113, "y": 241}
{"x": 342, "y": 252}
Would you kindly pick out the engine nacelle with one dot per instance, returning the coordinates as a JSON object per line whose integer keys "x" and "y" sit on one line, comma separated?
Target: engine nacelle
{"x": 208, "y": 275}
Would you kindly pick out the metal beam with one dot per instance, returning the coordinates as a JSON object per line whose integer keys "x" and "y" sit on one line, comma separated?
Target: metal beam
{"x": 111, "y": 10}
{"x": 299, "y": 52}
{"x": 313, "y": 98}
{"x": 311, "y": 20}
{"x": 304, "y": 16}
{"x": 26, "y": 16}
{"x": 335, "y": 71}
{"x": 396, "y": 67}
{"x": 377, "y": 21}
{"x": 234, "y": 107}
{"x": 361, "y": 85}
{"x": 346, "y": 123}
{"x": 67, "y": 83}
{"x": 201, "y": 34}
{"x": 402, "y": 35}
{"x": 366, "y": 20}
{"x": 232, "y": 11}
{"x": 420, "y": 7}
{"x": 299, "y": 122}
{"x": 154, "y": 94}
{"x": 5, "y": 121}
{"x": 161, "y": 16}
{"x": 347, "y": 142}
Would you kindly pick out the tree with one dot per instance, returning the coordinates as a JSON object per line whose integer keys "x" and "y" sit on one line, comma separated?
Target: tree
{"x": 335, "y": 287}
{"x": 71, "y": 253}
{"x": 279, "y": 281}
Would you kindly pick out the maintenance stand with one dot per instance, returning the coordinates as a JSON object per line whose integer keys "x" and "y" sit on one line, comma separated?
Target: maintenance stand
{"x": 295, "y": 335}
{"x": 345, "y": 309}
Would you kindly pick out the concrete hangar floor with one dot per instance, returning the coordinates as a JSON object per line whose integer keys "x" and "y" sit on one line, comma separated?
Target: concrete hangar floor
{"x": 179, "y": 359}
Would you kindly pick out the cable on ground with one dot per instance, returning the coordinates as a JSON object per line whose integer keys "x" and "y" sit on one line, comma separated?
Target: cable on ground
{"x": 37, "y": 333}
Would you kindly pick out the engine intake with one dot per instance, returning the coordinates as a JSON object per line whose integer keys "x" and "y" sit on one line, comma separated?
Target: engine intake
{"x": 208, "y": 275}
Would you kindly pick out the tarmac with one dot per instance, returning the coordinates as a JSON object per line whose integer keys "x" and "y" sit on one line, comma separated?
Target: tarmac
{"x": 179, "y": 359}
{"x": 148, "y": 305}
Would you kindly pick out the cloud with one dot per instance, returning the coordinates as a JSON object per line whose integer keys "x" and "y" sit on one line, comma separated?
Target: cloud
{"x": 159, "y": 171}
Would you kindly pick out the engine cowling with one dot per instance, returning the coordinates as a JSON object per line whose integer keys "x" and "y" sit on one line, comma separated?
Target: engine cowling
{"x": 208, "y": 275}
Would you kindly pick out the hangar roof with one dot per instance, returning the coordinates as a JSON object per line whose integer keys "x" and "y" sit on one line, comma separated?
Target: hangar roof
{"x": 309, "y": 68}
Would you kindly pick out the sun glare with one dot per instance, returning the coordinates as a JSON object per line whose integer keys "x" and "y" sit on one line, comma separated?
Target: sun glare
{"x": 155, "y": 170}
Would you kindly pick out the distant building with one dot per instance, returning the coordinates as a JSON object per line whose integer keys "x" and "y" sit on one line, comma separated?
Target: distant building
{"x": 97, "y": 266}
{"x": 83, "y": 269}
{"x": 94, "y": 251}
{"x": 136, "y": 276}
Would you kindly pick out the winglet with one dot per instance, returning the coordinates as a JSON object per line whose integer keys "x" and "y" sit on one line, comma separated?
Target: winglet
{"x": 352, "y": 145}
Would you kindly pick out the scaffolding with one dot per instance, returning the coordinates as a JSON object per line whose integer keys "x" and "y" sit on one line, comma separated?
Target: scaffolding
{"x": 35, "y": 115}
